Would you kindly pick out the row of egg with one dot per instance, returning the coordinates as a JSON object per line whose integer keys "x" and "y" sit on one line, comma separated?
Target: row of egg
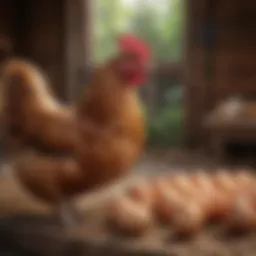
{"x": 186, "y": 203}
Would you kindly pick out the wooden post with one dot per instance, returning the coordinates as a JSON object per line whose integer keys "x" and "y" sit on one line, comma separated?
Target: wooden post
{"x": 70, "y": 46}
{"x": 86, "y": 41}
{"x": 78, "y": 44}
{"x": 195, "y": 82}
{"x": 189, "y": 70}
{"x": 87, "y": 30}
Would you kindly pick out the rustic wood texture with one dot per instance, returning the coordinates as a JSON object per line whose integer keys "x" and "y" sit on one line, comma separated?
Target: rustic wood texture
{"x": 195, "y": 80}
{"x": 231, "y": 58}
{"x": 7, "y": 30}
{"x": 78, "y": 43}
{"x": 223, "y": 131}
{"x": 41, "y": 38}
{"x": 54, "y": 34}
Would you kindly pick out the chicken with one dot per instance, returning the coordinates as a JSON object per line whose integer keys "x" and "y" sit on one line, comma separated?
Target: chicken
{"x": 111, "y": 127}
{"x": 31, "y": 113}
{"x": 105, "y": 129}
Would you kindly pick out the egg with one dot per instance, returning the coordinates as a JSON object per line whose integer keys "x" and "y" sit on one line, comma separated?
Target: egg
{"x": 228, "y": 187}
{"x": 167, "y": 199}
{"x": 188, "y": 219}
{"x": 219, "y": 207}
{"x": 243, "y": 214}
{"x": 201, "y": 180}
{"x": 182, "y": 183}
{"x": 141, "y": 192}
{"x": 224, "y": 181}
{"x": 244, "y": 179}
{"x": 203, "y": 185}
{"x": 129, "y": 217}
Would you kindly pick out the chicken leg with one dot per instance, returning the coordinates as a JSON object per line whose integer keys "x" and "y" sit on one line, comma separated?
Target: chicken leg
{"x": 69, "y": 215}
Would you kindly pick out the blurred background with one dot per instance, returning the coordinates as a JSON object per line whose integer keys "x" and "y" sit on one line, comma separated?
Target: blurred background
{"x": 69, "y": 39}
{"x": 203, "y": 60}
{"x": 161, "y": 24}
{"x": 199, "y": 99}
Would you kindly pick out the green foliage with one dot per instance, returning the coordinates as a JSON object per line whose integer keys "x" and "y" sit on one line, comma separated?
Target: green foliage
{"x": 160, "y": 24}
{"x": 165, "y": 129}
{"x": 109, "y": 21}
{"x": 162, "y": 28}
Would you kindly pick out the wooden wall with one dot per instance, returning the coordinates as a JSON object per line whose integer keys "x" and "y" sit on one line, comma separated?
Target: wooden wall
{"x": 195, "y": 66}
{"x": 7, "y": 29}
{"x": 41, "y": 23}
{"x": 78, "y": 44}
{"x": 53, "y": 34}
{"x": 236, "y": 48}
{"x": 35, "y": 29}
{"x": 220, "y": 57}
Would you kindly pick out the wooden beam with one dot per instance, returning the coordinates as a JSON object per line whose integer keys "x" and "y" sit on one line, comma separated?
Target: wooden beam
{"x": 70, "y": 46}
{"x": 190, "y": 41}
{"x": 86, "y": 43}
{"x": 195, "y": 55}
{"x": 78, "y": 44}
{"x": 87, "y": 30}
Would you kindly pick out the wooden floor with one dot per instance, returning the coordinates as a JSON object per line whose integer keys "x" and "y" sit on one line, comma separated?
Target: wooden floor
{"x": 29, "y": 227}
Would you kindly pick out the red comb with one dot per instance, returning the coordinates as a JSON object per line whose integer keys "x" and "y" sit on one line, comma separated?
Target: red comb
{"x": 130, "y": 43}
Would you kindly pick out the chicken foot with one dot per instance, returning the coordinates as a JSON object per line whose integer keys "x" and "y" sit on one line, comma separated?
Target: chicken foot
{"x": 12, "y": 143}
{"x": 6, "y": 157}
{"x": 69, "y": 215}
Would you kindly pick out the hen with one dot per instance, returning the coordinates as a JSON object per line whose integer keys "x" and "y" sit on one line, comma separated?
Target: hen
{"x": 31, "y": 113}
{"x": 104, "y": 131}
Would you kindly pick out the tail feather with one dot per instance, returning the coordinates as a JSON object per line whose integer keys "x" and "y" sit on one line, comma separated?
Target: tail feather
{"x": 31, "y": 111}
{"x": 25, "y": 75}
{"x": 23, "y": 86}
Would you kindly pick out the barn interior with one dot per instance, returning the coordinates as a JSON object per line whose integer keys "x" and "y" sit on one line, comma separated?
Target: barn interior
{"x": 211, "y": 131}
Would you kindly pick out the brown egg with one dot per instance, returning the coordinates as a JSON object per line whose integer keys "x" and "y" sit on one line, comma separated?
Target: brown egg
{"x": 188, "y": 218}
{"x": 141, "y": 192}
{"x": 243, "y": 214}
{"x": 203, "y": 185}
{"x": 183, "y": 184}
{"x": 129, "y": 217}
{"x": 167, "y": 199}
{"x": 224, "y": 181}
{"x": 201, "y": 179}
{"x": 244, "y": 179}
{"x": 157, "y": 185}
{"x": 204, "y": 197}
{"x": 228, "y": 186}
{"x": 218, "y": 208}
